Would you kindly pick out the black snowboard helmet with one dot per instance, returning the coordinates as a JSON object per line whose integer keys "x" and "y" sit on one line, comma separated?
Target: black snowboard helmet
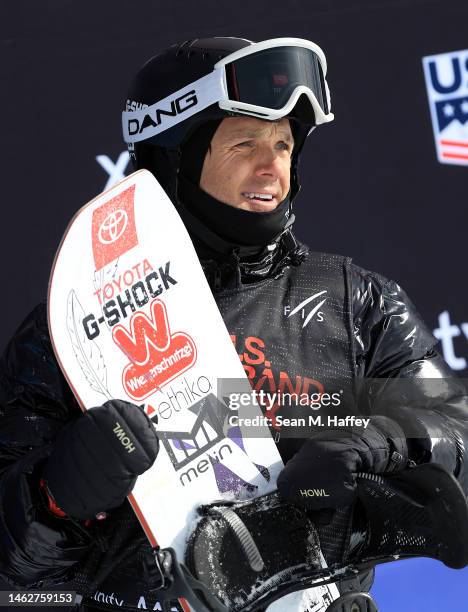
{"x": 204, "y": 79}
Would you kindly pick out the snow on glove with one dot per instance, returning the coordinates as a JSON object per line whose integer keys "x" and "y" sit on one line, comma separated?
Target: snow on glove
{"x": 322, "y": 474}
{"x": 97, "y": 458}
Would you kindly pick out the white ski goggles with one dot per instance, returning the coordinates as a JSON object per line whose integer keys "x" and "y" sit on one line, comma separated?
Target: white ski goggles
{"x": 263, "y": 80}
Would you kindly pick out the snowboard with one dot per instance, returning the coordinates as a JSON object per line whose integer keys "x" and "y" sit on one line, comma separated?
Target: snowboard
{"x": 131, "y": 316}
{"x": 249, "y": 553}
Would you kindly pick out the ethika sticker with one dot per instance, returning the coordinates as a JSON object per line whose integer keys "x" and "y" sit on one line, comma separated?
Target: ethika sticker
{"x": 113, "y": 228}
{"x": 156, "y": 356}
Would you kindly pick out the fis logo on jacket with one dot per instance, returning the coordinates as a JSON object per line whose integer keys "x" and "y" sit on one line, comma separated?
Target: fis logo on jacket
{"x": 314, "y": 303}
{"x": 446, "y": 77}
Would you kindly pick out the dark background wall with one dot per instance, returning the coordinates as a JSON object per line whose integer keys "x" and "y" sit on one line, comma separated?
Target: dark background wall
{"x": 372, "y": 185}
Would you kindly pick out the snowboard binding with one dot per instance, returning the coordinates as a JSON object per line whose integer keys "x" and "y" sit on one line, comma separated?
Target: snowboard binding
{"x": 242, "y": 556}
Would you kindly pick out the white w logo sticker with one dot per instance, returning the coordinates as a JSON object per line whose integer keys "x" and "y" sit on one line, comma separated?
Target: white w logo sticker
{"x": 314, "y": 309}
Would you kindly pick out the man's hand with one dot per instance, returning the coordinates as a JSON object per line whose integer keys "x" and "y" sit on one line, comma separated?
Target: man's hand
{"x": 322, "y": 474}
{"x": 97, "y": 458}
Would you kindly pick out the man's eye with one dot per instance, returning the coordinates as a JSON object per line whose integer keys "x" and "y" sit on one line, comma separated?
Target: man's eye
{"x": 245, "y": 143}
{"x": 285, "y": 146}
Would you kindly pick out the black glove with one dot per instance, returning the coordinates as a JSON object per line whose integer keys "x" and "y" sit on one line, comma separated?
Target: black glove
{"x": 97, "y": 458}
{"x": 322, "y": 474}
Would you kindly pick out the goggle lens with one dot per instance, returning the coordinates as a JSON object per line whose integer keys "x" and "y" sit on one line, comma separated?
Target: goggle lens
{"x": 268, "y": 78}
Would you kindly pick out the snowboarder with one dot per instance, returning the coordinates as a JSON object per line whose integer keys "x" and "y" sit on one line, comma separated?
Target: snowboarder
{"x": 221, "y": 123}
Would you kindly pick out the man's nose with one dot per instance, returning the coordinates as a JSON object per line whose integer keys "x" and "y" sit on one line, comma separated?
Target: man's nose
{"x": 267, "y": 162}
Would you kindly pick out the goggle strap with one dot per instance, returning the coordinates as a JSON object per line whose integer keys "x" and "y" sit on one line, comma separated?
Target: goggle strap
{"x": 143, "y": 123}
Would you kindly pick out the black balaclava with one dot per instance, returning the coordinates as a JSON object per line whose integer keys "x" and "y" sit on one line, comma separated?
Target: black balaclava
{"x": 240, "y": 227}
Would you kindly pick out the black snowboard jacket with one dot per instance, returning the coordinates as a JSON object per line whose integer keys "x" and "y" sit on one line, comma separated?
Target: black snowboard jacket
{"x": 39, "y": 549}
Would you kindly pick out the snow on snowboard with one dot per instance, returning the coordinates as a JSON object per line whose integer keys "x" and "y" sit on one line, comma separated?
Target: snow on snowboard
{"x": 131, "y": 316}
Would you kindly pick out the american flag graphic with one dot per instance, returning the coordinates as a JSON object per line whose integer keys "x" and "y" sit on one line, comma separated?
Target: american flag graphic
{"x": 446, "y": 77}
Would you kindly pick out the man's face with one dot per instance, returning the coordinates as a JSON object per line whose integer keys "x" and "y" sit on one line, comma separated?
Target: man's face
{"x": 249, "y": 163}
